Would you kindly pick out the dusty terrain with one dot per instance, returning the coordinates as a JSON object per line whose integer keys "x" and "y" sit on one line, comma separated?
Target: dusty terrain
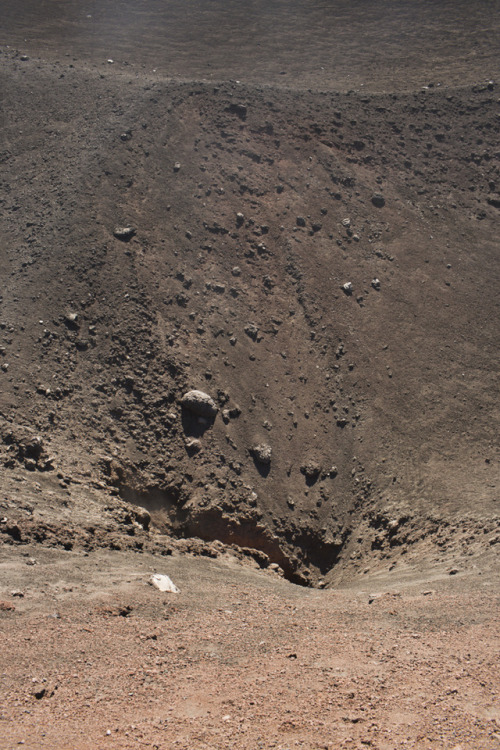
{"x": 297, "y": 214}
{"x": 93, "y": 657}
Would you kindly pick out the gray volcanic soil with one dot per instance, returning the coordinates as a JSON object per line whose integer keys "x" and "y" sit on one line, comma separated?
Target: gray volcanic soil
{"x": 380, "y": 406}
{"x": 251, "y": 199}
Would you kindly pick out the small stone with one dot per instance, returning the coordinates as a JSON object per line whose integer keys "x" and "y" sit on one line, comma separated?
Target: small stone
{"x": 301, "y": 222}
{"x": 24, "y": 58}
{"x": 177, "y": 166}
{"x": 124, "y": 233}
{"x": 193, "y": 445}
{"x": 347, "y": 287}
{"x": 238, "y": 109}
{"x": 376, "y": 284}
{"x": 262, "y": 453}
{"x": 378, "y": 200}
{"x": 240, "y": 218}
{"x": 252, "y": 331}
{"x": 311, "y": 469}
{"x": 346, "y": 223}
{"x": 143, "y": 517}
{"x": 236, "y": 271}
{"x": 200, "y": 403}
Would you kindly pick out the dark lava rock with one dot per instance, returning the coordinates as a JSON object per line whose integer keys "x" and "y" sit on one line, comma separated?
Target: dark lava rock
{"x": 378, "y": 200}
{"x": 124, "y": 233}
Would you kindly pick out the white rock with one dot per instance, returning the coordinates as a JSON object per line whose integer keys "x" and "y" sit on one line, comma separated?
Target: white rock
{"x": 163, "y": 583}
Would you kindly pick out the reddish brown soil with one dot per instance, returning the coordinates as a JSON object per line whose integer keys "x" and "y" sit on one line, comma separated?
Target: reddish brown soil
{"x": 93, "y": 657}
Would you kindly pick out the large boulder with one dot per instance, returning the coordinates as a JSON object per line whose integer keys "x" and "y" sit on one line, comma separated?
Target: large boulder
{"x": 200, "y": 403}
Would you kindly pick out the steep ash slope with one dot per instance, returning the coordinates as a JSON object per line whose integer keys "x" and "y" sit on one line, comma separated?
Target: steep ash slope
{"x": 251, "y": 207}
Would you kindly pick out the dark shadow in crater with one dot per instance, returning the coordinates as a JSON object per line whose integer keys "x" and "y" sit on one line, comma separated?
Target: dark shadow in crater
{"x": 311, "y": 479}
{"x": 195, "y": 426}
{"x": 261, "y": 467}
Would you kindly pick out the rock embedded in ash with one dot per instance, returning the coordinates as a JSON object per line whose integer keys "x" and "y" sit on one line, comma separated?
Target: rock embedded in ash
{"x": 311, "y": 469}
{"x": 238, "y": 109}
{"x": 301, "y": 222}
{"x": 252, "y": 331}
{"x": 376, "y": 284}
{"x": 378, "y": 200}
{"x": 193, "y": 445}
{"x": 240, "y": 218}
{"x": 232, "y": 413}
{"x": 124, "y": 233}
{"x": 200, "y": 403}
{"x": 347, "y": 287}
{"x": 177, "y": 166}
{"x": 262, "y": 453}
{"x": 142, "y": 517}
{"x": 71, "y": 320}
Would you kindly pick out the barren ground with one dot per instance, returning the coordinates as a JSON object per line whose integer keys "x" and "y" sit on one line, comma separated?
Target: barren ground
{"x": 333, "y": 529}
